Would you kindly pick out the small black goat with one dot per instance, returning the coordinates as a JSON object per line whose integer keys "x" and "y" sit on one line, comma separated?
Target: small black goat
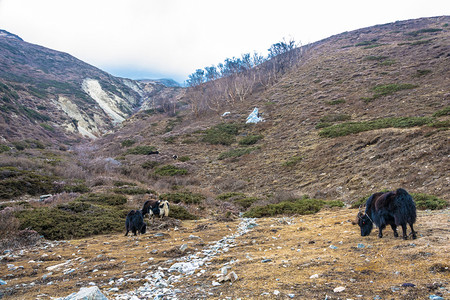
{"x": 135, "y": 222}
{"x": 391, "y": 208}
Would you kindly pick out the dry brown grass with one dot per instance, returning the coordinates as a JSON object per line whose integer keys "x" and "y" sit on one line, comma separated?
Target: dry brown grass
{"x": 298, "y": 248}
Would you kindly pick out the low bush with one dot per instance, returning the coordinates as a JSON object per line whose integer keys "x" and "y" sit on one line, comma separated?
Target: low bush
{"x": 105, "y": 199}
{"x": 234, "y": 153}
{"x": 388, "y": 89}
{"x": 179, "y": 212}
{"x": 293, "y": 161}
{"x": 128, "y": 143}
{"x": 15, "y": 182}
{"x": 221, "y": 134}
{"x": 184, "y": 158}
{"x": 238, "y": 198}
{"x": 336, "y": 102}
{"x": 132, "y": 191}
{"x": 183, "y": 197}
{"x": 442, "y": 112}
{"x": 150, "y": 164}
{"x": 356, "y": 127}
{"x": 142, "y": 150}
{"x": 302, "y": 206}
{"x": 425, "y": 201}
{"x": 4, "y": 148}
{"x": 73, "y": 220}
{"x": 170, "y": 170}
{"x": 120, "y": 183}
{"x": 250, "y": 140}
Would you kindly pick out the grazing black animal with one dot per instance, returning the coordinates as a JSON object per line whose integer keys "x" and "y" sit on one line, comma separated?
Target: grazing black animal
{"x": 155, "y": 208}
{"x": 135, "y": 222}
{"x": 391, "y": 208}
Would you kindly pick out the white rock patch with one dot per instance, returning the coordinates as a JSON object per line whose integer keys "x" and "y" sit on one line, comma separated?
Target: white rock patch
{"x": 108, "y": 104}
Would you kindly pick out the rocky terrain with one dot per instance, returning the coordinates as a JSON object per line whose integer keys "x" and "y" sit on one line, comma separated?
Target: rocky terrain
{"x": 318, "y": 256}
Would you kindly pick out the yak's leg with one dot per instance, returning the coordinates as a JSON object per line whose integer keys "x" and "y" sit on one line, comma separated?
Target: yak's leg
{"x": 127, "y": 232}
{"x": 405, "y": 237}
{"x": 380, "y": 231}
{"x": 394, "y": 227}
{"x": 414, "y": 236}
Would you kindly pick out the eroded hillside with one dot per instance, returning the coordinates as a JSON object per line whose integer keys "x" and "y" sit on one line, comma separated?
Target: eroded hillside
{"x": 362, "y": 111}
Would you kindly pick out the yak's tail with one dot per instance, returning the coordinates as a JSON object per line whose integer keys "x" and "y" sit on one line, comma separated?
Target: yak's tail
{"x": 405, "y": 204}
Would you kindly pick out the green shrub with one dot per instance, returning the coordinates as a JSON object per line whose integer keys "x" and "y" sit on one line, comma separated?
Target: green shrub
{"x": 73, "y": 220}
{"x": 229, "y": 195}
{"x": 47, "y": 127}
{"x": 293, "y": 161}
{"x": 425, "y": 30}
{"x": 120, "y": 183}
{"x": 420, "y": 73}
{"x": 336, "y": 102}
{"x": 183, "y": 197}
{"x": 356, "y": 127}
{"x": 76, "y": 188}
{"x": 150, "y": 164}
{"x": 179, "y": 212}
{"x": 328, "y": 120}
{"x": 132, "y": 191}
{"x": 250, "y": 140}
{"x": 15, "y": 183}
{"x": 302, "y": 206}
{"x": 4, "y": 148}
{"x": 221, "y": 134}
{"x": 388, "y": 89}
{"x": 142, "y": 150}
{"x": 443, "y": 112}
{"x": 105, "y": 199}
{"x": 170, "y": 170}
{"x": 235, "y": 153}
{"x": 128, "y": 143}
{"x": 238, "y": 198}
{"x": 424, "y": 201}
{"x": 184, "y": 158}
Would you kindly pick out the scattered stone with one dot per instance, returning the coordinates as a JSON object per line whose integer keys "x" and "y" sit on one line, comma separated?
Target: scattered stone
{"x": 339, "y": 289}
{"x": 2, "y": 282}
{"x": 266, "y": 260}
{"x": 276, "y": 292}
{"x": 408, "y": 285}
{"x": 314, "y": 276}
{"x": 436, "y": 297}
{"x": 215, "y": 283}
{"x": 291, "y": 296}
{"x": 183, "y": 247}
{"x": 360, "y": 246}
{"x": 91, "y": 293}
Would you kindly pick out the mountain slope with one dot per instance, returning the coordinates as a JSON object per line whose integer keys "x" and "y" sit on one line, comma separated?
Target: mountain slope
{"x": 49, "y": 94}
{"x": 392, "y": 79}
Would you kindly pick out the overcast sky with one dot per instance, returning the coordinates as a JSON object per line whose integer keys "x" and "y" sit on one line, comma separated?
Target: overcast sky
{"x": 172, "y": 38}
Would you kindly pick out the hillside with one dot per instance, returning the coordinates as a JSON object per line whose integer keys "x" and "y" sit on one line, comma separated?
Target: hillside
{"x": 388, "y": 84}
{"x": 53, "y": 97}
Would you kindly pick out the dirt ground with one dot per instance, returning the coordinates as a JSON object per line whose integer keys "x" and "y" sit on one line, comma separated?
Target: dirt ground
{"x": 318, "y": 256}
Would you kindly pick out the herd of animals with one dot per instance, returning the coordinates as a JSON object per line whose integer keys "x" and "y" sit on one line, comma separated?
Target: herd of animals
{"x": 394, "y": 208}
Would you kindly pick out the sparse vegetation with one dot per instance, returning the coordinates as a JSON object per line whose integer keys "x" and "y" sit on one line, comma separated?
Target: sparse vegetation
{"x": 356, "y": 127}
{"x": 234, "y": 153}
{"x": 293, "y": 161}
{"x": 303, "y": 206}
{"x": 425, "y": 201}
{"x": 142, "y": 150}
{"x": 221, "y": 134}
{"x": 336, "y": 102}
{"x": 443, "y": 112}
{"x": 132, "y": 190}
{"x": 15, "y": 182}
{"x": 250, "y": 140}
{"x": 425, "y": 30}
{"x": 128, "y": 143}
{"x": 4, "y": 148}
{"x": 169, "y": 170}
{"x": 183, "y": 197}
{"x": 181, "y": 213}
{"x": 388, "y": 89}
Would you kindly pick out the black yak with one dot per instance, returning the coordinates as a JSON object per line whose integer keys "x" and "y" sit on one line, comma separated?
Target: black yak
{"x": 156, "y": 207}
{"x": 135, "y": 222}
{"x": 391, "y": 208}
